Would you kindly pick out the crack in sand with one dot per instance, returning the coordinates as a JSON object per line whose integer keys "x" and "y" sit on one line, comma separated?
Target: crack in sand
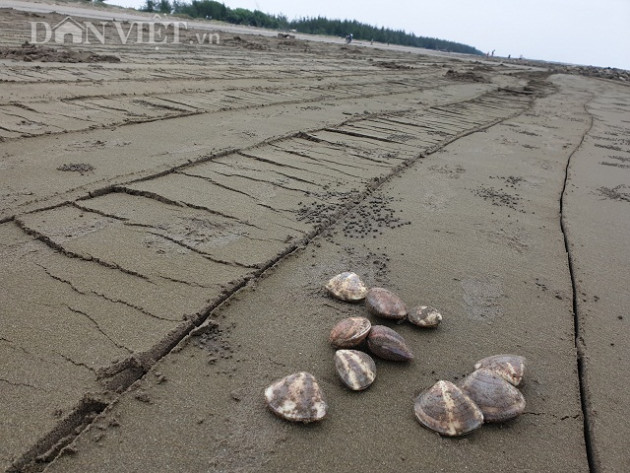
{"x": 165, "y": 200}
{"x": 70, "y": 254}
{"x": 23, "y": 385}
{"x": 57, "y": 278}
{"x": 22, "y": 134}
{"x": 263, "y": 181}
{"x": 187, "y": 283}
{"x": 319, "y": 161}
{"x": 579, "y": 341}
{"x": 107, "y": 215}
{"x": 98, "y": 327}
{"x": 221, "y": 214}
{"x": 109, "y": 299}
{"x": 554, "y": 416}
{"x": 268, "y": 161}
{"x": 133, "y": 306}
{"x": 202, "y": 253}
{"x": 228, "y": 188}
{"x": 14, "y": 346}
{"x": 147, "y": 194}
{"x": 76, "y": 363}
{"x": 384, "y": 163}
{"x": 356, "y": 134}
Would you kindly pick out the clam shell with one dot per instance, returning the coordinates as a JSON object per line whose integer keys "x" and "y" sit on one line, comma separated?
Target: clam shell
{"x": 347, "y": 287}
{"x": 350, "y": 332}
{"x": 356, "y": 369}
{"x": 384, "y": 303}
{"x": 388, "y": 344}
{"x": 446, "y": 409}
{"x": 497, "y": 399}
{"x": 509, "y": 367}
{"x": 297, "y": 398}
{"x": 425, "y": 316}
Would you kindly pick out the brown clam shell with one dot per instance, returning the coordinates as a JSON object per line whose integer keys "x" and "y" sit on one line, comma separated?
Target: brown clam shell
{"x": 388, "y": 344}
{"x": 384, "y": 303}
{"x": 497, "y": 399}
{"x": 509, "y": 367}
{"x": 347, "y": 287}
{"x": 356, "y": 369}
{"x": 350, "y": 332}
{"x": 425, "y": 316}
{"x": 446, "y": 409}
{"x": 297, "y": 398}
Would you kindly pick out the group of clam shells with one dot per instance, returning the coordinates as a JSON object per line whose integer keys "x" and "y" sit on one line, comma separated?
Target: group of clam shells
{"x": 298, "y": 396}
{"x": 486, "y": 395}
{"x": 356, "y": 368}
{"x": 381, "y": 302}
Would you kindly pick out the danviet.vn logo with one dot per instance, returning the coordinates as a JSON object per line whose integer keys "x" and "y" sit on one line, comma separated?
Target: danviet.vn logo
{"x": 156, "y": 31}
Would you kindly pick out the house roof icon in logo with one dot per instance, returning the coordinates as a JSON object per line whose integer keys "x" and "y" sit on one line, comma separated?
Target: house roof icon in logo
{"x": 68, "y": 27}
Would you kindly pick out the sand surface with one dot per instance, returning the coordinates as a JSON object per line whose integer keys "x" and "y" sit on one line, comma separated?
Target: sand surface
{"x": 168, "y": 221}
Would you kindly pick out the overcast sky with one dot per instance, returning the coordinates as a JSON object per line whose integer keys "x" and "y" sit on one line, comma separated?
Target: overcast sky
{"x": 592, "y": 32}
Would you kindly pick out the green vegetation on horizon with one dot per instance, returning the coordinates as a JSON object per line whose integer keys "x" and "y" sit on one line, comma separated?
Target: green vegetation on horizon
{"x": 320, "y": 25}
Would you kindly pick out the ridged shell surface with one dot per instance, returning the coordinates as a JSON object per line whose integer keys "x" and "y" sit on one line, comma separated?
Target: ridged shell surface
{"x": 388, "y": 344}
{"x": 347, "y": 287}
{"x": 446, "y": 409}
{"x": 425, "y": 316}
{"x": 509, "y": 367}
{"x": 498, "y": 400}
{"x": 356, "y": 369}
{"x": 350, "y": 332}
{"x": 384, "y": 303}
{"x": 297, "y": 398}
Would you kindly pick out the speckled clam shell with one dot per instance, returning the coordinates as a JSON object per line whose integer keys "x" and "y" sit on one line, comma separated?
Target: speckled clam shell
{"x": 509, "y": 367}
{"x": 425, "y": 316}
{"x": 297, "y": 398}
{"x": 384, "y": 303}
{"x": 347, "y": 287}
{"x": 356, "y": 369}
{"x": 446, "y": 409}
{"x": 350, "y": 332}
{"x": 497, "y": 399}
{"x": 388, "y": 344}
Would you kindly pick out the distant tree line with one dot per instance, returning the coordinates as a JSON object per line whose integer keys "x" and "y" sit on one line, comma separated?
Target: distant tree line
{"x": 217, "y": 11}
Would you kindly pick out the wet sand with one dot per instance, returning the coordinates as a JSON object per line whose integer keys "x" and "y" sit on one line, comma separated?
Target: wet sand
{"x": 168, "y": 223}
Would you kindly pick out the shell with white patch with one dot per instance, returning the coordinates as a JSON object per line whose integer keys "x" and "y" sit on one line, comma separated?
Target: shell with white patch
{"x": 498, "y": 400}
{"x": 347, "y": 287}
{"x": 425, "y": 316}
{"x": 509, "y": 367}
{"x": 297, "y": 398}
{"x": 356, "y": 369}
{"x": 446, "y": 409}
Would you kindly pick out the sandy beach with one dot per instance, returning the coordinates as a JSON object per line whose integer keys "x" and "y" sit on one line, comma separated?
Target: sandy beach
{"x": 169, "y": 216}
